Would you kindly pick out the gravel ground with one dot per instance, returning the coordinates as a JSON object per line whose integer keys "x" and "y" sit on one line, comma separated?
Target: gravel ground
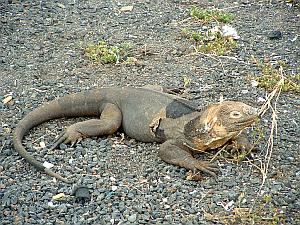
{"x": 42, "y": 57}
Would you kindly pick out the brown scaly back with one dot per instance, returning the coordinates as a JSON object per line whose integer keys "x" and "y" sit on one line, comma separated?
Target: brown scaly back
{"x": 218, "y": 123}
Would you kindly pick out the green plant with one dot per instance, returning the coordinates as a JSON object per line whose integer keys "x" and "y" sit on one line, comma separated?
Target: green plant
{"x": 186, "y": 81}
{"x": 239, "y": 151}
{"x": 267, "y": 213}
{"x": 197, "y": 36}
{"x": 211, "y": 41}
{"x": 207, "y": 15}
{"x": 185, "y": 32}
{"x": 270, "y": 76}
{"x": 218, "y": 46}
{"x": 236, "y": 154}
{"x": 104, "y": 53}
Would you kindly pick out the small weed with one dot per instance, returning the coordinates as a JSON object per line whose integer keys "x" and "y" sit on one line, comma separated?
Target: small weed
{"x": 241, "y": 151}
{"x": 207, "y": 15}
{"x": 130, "y": 61}
{"x": 104, "y": 53}
{"x": 211, "y": 41}
{"x": 197, "y": 36}
{"x": 185, "y": 32}
{"x": 270, "y": 75}
{"x": 186, "y": 81}
{"x": 265, "y": 214}
{"x": 236, "y": 155}
{"x": 219, "y": 46}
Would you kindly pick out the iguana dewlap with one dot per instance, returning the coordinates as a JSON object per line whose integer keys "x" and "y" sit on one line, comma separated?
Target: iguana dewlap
{"x": 146, "y": 115}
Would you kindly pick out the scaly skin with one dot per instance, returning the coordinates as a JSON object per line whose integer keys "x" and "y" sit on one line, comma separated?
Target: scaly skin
{"x": 146, "y": 115}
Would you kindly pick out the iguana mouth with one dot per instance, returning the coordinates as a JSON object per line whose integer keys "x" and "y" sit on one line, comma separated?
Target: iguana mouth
{"x": 239, "y": 125}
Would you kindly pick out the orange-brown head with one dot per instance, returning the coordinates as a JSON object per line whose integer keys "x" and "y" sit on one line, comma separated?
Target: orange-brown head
{"x": 218, "y": 123}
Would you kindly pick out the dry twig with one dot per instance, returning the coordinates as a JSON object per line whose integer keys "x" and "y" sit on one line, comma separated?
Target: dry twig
{"x": 273, "y": 107}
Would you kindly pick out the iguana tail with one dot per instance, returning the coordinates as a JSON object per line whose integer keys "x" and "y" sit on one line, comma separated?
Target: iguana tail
{"x": 81, "y": 104}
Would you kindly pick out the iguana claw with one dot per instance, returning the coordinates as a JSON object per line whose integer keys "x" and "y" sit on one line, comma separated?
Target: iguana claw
{"x": 206, "y": 167}
{"x": 68, "y": 136}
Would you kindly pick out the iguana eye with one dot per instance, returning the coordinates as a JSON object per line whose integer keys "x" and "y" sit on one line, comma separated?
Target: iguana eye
{"x": 235, "y": 114}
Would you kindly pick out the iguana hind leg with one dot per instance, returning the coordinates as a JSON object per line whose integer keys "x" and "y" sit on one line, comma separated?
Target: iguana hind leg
{"x": 165, "y": 89}
{"x": 171, "y": 153}
{"x": 109, "y": 122}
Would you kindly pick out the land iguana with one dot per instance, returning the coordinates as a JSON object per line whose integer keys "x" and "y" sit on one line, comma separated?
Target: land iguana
{"x": 145, "y": 115}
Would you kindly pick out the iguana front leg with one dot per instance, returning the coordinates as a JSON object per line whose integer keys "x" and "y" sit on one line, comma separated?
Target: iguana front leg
{"x": 171, "y": 152}
{"x": 109, "y": 122}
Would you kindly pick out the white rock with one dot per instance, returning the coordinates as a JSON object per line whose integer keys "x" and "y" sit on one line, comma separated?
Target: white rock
{"x": 51, "y": 204}
{"x": 114, "y": 188}
{"x": 112, "y": 179}
{"x": 167, "y": 206}
{"x": 254, "y": 83}
{"x": 228, "y": 31}
{"x": 132, "y": 218}
{"x": 47, "y": 165}
{"x": 167, "y": 177}
{"x": 42, "y": 144}
{"x": 126, "y": 8}
{"x": 261, "y": 99}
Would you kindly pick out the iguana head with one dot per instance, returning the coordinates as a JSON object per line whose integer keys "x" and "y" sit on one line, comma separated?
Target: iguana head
{"x": 218, "y": 123}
